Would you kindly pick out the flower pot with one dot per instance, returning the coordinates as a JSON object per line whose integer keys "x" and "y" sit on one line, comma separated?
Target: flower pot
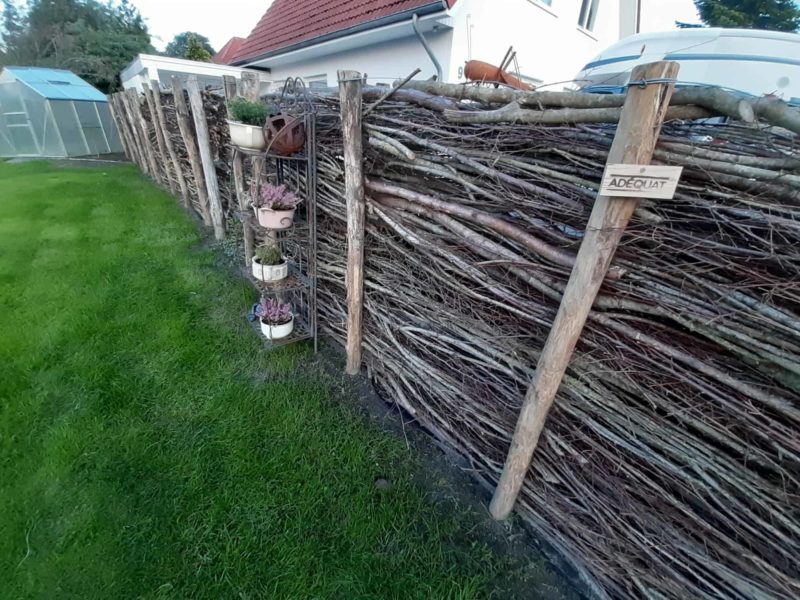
{"x": 276, "y": 332}
{"x": 270, "y": 272}
{"x": 247, "y": 136}
{"x": 285, "y": 135}
{"x": 275, "y": 219}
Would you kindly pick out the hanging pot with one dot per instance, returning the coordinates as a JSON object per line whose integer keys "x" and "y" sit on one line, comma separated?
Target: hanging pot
{"x": 285, "y": 134}
{"x": 274, "y": 219}
{"x": 276, "y": 332}
{"x": 247, "y": 136}
{"x": 270, "y": 272}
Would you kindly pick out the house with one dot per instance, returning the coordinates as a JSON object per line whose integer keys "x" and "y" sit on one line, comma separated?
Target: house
{"x": 146, "y": 67}
{"x": 228, "y": 52}
{"x": 388, "y": 39}
{"x": 52, "y": 113}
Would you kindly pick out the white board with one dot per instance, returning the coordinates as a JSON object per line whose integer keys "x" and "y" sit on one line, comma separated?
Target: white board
{"x": 640, "y": 181}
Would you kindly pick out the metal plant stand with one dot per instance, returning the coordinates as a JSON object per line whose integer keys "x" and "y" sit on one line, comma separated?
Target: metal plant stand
{"x": 298, "y": 244}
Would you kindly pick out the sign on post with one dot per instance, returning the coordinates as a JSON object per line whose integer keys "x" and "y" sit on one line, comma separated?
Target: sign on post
{"x": 640, "y": 181}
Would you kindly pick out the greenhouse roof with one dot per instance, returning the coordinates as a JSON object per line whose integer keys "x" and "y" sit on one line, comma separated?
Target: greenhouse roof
{"x": 57, "y": 84}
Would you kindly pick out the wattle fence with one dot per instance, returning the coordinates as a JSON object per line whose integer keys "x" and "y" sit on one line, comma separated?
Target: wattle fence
{"x": 669, "y": 466}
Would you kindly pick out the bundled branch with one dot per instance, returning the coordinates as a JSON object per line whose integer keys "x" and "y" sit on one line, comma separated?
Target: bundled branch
{"x": 670, "y": 465}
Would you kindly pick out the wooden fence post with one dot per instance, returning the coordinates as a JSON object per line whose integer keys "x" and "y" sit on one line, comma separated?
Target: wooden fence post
{"x": 636, "y": 137}
{"x": 173, "y": 156}
{"x": 190, "y": 143}
{"x": 204, "y": 146}
{"x": 119, "y": 106}
{"x": 350, "y": 84}
{"x": 231, "y": 92}
{"x": 118, "y": 124}
{"x": 140, "y": 128}
{"x": 163, "y": 159}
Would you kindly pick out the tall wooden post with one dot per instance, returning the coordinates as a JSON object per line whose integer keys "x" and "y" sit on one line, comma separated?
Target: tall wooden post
{"x": 118, "y": 101}
{"x": 350, "y": 84}
{"x": 204, "y": 146}
{"x": 637, "y": 134}
{"x": 140, "y": 127}
{"x": 232, "y": 88}
{"x": 163, "y": 159}
{"x": 190, "y": 143}
{"x": 173, "y": 156}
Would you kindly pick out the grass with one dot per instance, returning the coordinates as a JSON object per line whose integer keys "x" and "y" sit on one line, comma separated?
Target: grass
{"x": 150, "y": 449}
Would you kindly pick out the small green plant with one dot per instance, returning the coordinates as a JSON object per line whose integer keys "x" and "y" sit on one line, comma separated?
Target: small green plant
{"x": 268, "y": 255}
{"x": 249, "y": 113}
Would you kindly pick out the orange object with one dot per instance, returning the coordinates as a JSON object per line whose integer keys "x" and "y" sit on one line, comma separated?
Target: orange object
{"x": 477, "y": 70}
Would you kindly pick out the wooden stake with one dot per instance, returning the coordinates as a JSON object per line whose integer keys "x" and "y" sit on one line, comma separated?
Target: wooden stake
{"x": 119, "y": 105}
{"x": 204, "y": 145}
{"x": 635, "y": 140}
{"x": 162, "y": 159}
{"x": 141, "y": 130}
{"x": 118, "y": 124}
{"x": 231, "y": 92}
{"x": 190, "y": 143}
{"x": 173, "y": 156}
{"x": 350, "y": 84}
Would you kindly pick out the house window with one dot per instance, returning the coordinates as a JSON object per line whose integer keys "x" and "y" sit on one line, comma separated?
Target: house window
{"x": 317, "y": 82}
{"x": 588, "y": 14}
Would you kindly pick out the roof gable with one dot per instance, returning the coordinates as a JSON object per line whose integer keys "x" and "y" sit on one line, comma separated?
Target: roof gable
{"x": 57, "y": 84}
{"x": 290, "y": 22}
{"x": 226, "y": 55}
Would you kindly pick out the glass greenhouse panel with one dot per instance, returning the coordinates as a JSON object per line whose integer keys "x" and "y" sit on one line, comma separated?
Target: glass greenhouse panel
{"x": 69, "y": 128}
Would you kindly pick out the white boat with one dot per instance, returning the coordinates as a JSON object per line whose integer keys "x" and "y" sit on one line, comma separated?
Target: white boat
{"x": 749, "y": 61}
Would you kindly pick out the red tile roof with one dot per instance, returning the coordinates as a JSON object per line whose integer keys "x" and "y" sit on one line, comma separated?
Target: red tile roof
{"x": 290, "y": 22}
{"x": 228, "y": 52}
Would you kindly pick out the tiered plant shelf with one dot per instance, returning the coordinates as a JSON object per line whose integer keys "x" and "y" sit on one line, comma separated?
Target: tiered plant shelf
{"x": 298, "y": 243}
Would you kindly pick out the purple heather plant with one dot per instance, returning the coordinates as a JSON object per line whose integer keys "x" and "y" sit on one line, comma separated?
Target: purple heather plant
{"x": 273, "y": 312}
{"x": 276, "y": 197}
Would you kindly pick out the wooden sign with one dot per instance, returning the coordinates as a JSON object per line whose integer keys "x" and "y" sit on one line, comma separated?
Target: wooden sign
{"x": 640, "y": 181}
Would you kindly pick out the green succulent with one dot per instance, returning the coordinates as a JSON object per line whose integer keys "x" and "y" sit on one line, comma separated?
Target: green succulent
{"x": 269, "y": 255}
{"x": 249, "y": 113}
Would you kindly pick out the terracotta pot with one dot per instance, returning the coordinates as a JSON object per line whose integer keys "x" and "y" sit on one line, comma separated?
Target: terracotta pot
{"x": 247, "y": 136}
{"x": 276, "y": 332}
{"x": 275, "y": 219}
{"x": 270, "y": 272}
{"x": 285, "y": 135}
{"x": 477, "y": 70}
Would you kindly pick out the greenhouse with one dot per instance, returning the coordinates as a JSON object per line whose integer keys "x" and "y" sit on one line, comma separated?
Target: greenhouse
{"x": 53, "y": 113}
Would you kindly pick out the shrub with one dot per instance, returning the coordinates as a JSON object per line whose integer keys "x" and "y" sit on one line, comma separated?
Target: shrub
{"x": 276, "y": 197}
{"x": 249, "y": 113}
{"x": 269, "y": 255}
{"x": 272, "y": 312}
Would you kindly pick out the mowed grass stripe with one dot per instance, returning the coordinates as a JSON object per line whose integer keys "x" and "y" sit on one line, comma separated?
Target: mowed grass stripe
{"x": 150, "y": 449}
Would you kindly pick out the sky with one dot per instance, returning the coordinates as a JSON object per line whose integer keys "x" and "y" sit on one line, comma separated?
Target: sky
{"x": 221, "y": 20}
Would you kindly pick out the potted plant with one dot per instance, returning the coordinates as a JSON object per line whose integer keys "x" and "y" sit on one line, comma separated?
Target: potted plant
{"x": 275, "y": 206}
{"x": 276, "y": 318}
{"x": 269, "y": 265}
{"x": 246, "y": 123}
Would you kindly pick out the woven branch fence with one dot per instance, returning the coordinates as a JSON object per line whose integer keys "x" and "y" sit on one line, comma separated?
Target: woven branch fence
{"x": 669, "y": 466}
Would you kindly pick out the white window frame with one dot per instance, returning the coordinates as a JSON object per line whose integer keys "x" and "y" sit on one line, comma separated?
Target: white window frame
{"x": 316, "y": 79}
{"x": 587, "y": 16}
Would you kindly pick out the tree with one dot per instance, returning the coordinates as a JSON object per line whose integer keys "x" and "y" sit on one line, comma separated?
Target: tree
{"x": 196, "y": 51}
{"x": 776, "y": 15}
{"x": 92, "y": 39}
{"x": 179, "y": 45}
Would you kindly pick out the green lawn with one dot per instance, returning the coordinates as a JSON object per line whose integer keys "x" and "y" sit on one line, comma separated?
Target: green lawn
{"x": 150, "y": 449}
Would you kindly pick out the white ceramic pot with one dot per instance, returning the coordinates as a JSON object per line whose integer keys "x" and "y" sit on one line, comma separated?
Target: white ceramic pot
{"x": 270, "y": 272}
{"x": 276, "y": 332}
{"x": 247, "y": 136}
{"x": 275, "y": 219}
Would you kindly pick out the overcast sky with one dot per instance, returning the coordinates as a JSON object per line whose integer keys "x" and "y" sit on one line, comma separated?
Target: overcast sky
{"x": 220, "y": 20}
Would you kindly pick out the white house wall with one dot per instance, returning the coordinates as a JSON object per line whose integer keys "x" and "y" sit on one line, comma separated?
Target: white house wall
{"x": 549, "y": 44}
{"x": 382, "y": 62}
